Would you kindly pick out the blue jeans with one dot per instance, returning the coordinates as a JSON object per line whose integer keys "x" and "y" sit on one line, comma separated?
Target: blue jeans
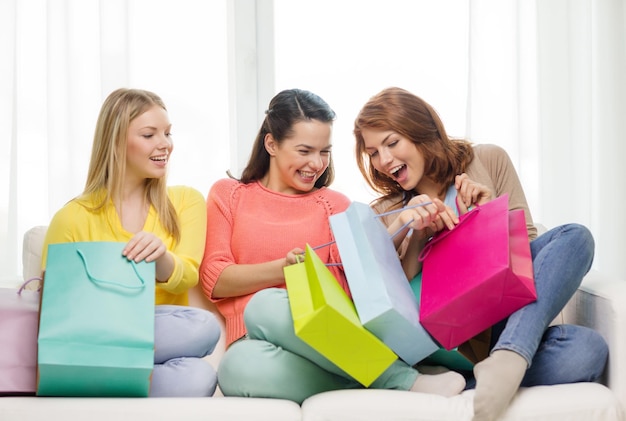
{"x": 182, "y": 336}
{"x": 562, "y": 353}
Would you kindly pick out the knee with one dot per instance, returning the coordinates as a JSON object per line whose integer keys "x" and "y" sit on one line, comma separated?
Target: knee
{"x": 183, "y": 377}
{"x": 265, "y": 311}
{"x": 263, "y": 300}
{"x": 587, "y": 353}
{"x": 203, "y": 325}
{"x": 206, "y": 328}
{"x": 240, "y": 374}
{"x": 584, "y": 243}
{"x": 184, "y": 332}
{"x": 594, "y": 353}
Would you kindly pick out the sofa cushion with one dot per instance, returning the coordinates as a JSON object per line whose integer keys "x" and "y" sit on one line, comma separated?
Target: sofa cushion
{"x": 152, "y": 409}
{"x": 571, "y": 402}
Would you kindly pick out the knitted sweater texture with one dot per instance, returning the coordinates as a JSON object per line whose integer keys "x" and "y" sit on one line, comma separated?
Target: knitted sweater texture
{"x": 249, "y": 224}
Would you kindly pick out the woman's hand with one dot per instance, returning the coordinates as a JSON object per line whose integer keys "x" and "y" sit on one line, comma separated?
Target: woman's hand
{"x": 426, "y": 221}
{"x": 147, "y": 246}
{"x": 144, "y": 246}
{"x": 294, "y": 256}
{"x": 470, "y": 193}
{"x": 434, "y": 216}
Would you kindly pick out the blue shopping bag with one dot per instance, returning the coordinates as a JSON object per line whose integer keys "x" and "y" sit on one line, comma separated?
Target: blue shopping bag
{"x": 380, "y": 289}
{"x": 96, "y": 328}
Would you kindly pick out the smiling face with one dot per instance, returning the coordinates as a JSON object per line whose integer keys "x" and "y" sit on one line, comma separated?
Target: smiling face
{"x": 300, "y": 159}
{"x": 149, "y": 144}
{"x": 396, "y": 157}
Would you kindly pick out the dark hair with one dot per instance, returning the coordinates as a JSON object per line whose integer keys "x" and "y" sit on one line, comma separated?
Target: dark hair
{"x": 410, "y": 116}
{"x": 287, "y": 108}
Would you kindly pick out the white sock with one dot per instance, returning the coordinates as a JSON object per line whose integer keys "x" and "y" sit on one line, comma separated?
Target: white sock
{"x": 497, "y": 380}
{"x": 446, "y": 384}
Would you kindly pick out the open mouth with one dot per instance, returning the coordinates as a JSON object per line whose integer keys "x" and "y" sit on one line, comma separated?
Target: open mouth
{"x": 160, "y": 158}
{"x": 307, "y": 175}
{"x": 398, "y": 171}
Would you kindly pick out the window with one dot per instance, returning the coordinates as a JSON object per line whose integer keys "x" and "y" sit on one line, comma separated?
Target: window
{"x": 349, "y": 50}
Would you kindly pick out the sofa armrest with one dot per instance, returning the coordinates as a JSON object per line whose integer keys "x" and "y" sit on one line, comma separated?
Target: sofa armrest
{"x": 31, "y": 251}
{"x": 600, "y": 303}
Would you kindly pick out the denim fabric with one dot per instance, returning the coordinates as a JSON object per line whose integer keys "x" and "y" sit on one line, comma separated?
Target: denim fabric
{"x": 275, "y": 363}
{"x": 565, "y": 353}
{"x": 182, "y": 336}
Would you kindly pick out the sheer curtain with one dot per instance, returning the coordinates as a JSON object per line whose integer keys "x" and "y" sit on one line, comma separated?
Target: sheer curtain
{"x": 582, "y": 103}
{"x": 473, "y": 61}
{"x": 61, "y": 58}
{"x": 543, "y": 79}
{"x": 346, "y": 51}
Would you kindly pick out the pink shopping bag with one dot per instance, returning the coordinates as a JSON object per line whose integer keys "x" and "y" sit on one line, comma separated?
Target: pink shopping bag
{"x": 476, "y": 274}
{"x": 19, "y": 315}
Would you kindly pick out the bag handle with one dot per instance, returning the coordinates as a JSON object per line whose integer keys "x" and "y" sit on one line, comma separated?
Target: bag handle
{"x": 443, "y": 234}
{"x": 28, "y": 281}
{"x": 381, "y": 215}
{"x": 114, "y": 283}
{"x": 322, "y": 246}
{"x": 378, "y": 216}
{"x": 406, "y": 224}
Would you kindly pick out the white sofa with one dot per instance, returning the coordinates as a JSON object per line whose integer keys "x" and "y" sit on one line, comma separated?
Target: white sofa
{"x": 600, "y": 303}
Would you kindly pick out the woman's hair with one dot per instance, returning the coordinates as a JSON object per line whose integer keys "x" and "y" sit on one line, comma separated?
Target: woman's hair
{"x": 107, "y": 167}
{"x": 285, "y": 110}
{"x": 398, "y": 110}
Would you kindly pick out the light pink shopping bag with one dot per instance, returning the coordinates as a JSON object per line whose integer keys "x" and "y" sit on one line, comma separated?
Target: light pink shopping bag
{"x": 476, "y": 274}
{"x": 19, "y": 315}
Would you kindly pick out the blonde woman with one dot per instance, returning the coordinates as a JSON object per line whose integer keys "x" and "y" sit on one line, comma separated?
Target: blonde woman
{"x": 126, "y": 199}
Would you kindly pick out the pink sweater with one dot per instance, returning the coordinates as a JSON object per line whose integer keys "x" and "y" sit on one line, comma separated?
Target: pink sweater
{"x": 248, "y": 224}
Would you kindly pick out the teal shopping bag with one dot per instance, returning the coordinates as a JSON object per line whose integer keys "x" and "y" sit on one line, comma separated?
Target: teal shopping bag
{"x": 380, "y": 289}
{"x": 96, "y": 327}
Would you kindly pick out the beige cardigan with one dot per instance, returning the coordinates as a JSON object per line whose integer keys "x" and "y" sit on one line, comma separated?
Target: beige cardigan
{"x": 492, "y": 167}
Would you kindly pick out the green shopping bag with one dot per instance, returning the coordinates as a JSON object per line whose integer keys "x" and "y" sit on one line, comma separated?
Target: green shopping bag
{"x": 325, "y": 318}
{"x": 451, "y": 359}
{"x": 96, "y": 327}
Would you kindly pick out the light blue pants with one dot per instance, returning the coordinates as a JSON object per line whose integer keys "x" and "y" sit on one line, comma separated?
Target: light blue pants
{"x": 182, "y": 336}
{"x": 274, "y": 363}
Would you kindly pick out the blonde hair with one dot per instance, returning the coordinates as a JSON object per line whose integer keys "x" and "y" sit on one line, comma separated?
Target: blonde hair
{"x": 107, "y": 167}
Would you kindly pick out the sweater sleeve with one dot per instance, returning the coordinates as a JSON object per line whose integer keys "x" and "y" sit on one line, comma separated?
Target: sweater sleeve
{"x": 505, "y": 179}
{"x": 217, "y": 253}
{"x": 188, "y": 252}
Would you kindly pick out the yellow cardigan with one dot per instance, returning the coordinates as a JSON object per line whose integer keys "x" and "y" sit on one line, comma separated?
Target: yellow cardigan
{"x": 74, "y": 222}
